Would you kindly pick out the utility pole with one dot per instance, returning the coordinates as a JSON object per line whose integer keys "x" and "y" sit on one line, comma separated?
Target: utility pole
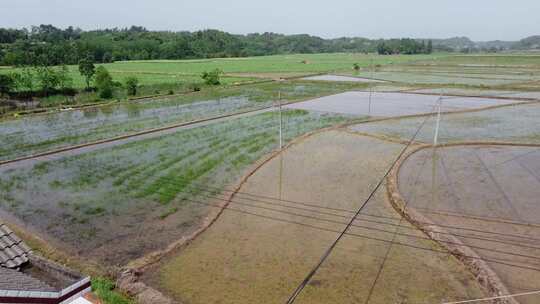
{"x": 438, "y": 123}
{"x": 370, "y": 86}
{"x": 280, "y": 122}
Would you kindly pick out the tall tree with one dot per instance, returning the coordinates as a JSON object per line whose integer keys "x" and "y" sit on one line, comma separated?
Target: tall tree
{"x": 429, "y": 47}
{"x": 87, "y": 69}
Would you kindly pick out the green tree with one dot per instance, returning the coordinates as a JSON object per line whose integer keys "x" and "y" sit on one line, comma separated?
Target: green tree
{"x": 132, "y": 83}
{"x": 212, "y": 77}
{"x": 429, "y": 47}
{"x": 24, "y": 80}
{"x": 87, "y": 69}
{"x": 104, "y": 83}
{"x": 64, "y": 78}
{"x": 356, "y": 67}
{"x": 47, "y": 78}
{"x": 6, "y": 84}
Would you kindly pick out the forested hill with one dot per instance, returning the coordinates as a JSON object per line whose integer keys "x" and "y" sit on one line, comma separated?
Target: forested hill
{"x": 46, "y": 44}
{"x": 56, "y": 46}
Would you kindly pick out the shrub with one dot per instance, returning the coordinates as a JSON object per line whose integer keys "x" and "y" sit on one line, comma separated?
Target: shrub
{"x": 47, "y": 78}
{"x": 7, "y": 84}
{"x": 132, "y": 83}
{"x": 24, "y": 80}
{"x": 104, "y": 83}
{"x": 194, "y": 87}
{"x": 105, "y": 290}
{"x": 212, "y": 77}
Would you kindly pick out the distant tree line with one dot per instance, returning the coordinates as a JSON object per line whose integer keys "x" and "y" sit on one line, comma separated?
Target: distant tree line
{"x": 49, "y": 45}
{"x": 404, "y": 46}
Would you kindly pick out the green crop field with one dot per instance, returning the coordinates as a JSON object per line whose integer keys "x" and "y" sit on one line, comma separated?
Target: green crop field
{"x": 303, "y": 63}
{"x": 173, "y": 71}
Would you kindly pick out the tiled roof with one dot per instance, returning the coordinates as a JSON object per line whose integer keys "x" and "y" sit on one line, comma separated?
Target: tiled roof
{"x": 15, "y": 280}
{"x": 13, "y": 251}
{"x": 27, "y": 278}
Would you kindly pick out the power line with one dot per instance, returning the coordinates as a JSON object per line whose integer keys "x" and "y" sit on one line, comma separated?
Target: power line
{"x": 346, "y": 217}
{"x": 387, "y": 253}
{"x": 383, "y": 223}
{"x": 386, "y": 231}
{"x": 496, "y": 298}
{"x": 499, "y": 261}
{"x": 361, "y": 226}
{"x": 216, "y": 189}
{"x": 303, "y": 284}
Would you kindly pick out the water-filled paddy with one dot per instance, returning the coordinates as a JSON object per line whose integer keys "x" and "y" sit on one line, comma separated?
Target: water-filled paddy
{"x": 390, "y": 104}
{"x": 261, "y": 248}
{"x": 38, "y": 133}
{"x": 339, "y": 78}
{"x": 488, "y": 197}
{"x": 517, "y": 123}
{"x": 118, "y": 203}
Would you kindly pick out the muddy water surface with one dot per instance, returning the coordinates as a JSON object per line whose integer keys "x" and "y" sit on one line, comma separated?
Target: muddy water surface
{"x": 287, "y": 215}
{"x": 488, "y": 197}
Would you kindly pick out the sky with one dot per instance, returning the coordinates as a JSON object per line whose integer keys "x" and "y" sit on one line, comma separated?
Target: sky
{"x": 479, "y": 20}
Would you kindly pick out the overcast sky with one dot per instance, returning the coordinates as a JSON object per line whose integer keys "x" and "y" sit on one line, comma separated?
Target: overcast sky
{"x": 477, "y": 19}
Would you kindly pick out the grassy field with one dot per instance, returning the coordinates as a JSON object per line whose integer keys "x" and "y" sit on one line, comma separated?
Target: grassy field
{"x": 189, "y": 71}
{"x": 165, "y": 76}
{"x": 301, "y": 63}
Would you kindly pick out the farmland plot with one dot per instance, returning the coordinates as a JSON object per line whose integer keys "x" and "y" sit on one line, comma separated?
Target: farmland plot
{"x": 285, "y": 217}
{"x": 517, "y": 123}
{"x": 391, "y": 104}
{"x": 479, "y": 92}
{"x": 33, "y": 134}
{"x": 487, "y": 196}
{"x": 119, "y": 203}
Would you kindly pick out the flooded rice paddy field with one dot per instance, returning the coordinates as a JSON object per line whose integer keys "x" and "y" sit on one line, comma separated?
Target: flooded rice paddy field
{"x": 488, "y": 197}
{"x": 284, "y": 218}
{"x": 518, "y": 123}
{"x": 425, "y": 78}
{"x": 479, "y": 92}
{"x": 340, "y": 78}
{"x": 33, "y": 134}
{"x": 382, "y": 104}
{"x": 118, "y": 203}
{"x": 496, "y": 73}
